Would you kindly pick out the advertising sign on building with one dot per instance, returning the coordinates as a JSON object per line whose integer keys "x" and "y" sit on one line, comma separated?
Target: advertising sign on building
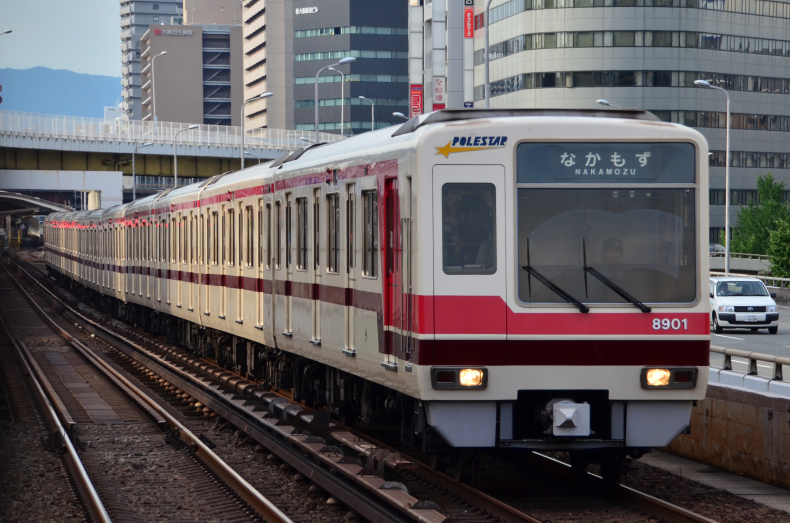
{"x": 416, "y": 100}
{"x": 479, "y": 21}
{"x": 306, "y": 10}
{"x": 469, "y": 27}
{"x": 439, "y": 90}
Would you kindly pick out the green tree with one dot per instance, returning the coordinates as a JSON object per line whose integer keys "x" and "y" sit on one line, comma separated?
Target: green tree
{"x": 758, "y": 219}
{"x": 779, "y": 249}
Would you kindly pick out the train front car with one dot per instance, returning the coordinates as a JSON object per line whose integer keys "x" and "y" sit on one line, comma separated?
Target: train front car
{"x": 564, "y": 264}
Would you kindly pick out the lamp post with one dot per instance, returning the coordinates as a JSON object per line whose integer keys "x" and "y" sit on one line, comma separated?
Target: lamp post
{"x": 372, "y": 112}
{"x": 400, "y": 115}
{"x": 153, "y": 82}
{"x": 607, "y": 104}
{"x": 175, "y": 154}
{"x": 487, "y": 85}
{"x": 254, "y": 98}
{"x": 248, "y": 153}
{"x": 342, "y": 61}
{"x": 342, "y": 98}
{"x": 706, "y": 84}
{"x": 134, "y": 173}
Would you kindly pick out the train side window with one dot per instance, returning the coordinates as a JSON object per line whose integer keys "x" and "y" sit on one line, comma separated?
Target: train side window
{"x": 241, "y": 236}
{"x": 260, "y": 233}
{"x": 469, "y": 228}
{"x": 268, "y": 236}
{"x": 333, "y": 221}
{"x": 288, "y": 232}
{"x": 202, "y": 234}
{"x": 215, "y": 241}
{"x": 223, "y": 238}
{"x": 231, "y": 237}
{"x": 317, "y": 230}
{"x": 350, "y": 232}
{"x": 370, "y": 219}
{"x": 250, "y": 237}
{"x": 209, "y": 239}
{"x": 173, "y": 244}
{"x": 301, "y": 233}
{"x": 277, "y": 232}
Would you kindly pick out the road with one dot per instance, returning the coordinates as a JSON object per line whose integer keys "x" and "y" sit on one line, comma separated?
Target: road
{"x": 760, "y": 341}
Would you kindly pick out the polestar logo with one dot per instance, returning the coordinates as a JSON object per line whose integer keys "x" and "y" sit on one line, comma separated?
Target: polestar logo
{"x": 465, "y": 144}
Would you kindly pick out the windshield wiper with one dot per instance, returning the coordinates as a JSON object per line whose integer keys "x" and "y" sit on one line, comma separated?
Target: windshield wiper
{"x": 548, "y": 283}
{"x": 609, "y": 283}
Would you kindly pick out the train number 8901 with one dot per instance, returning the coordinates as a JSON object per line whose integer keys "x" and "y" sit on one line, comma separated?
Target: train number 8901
{"x": 667, "y": 324}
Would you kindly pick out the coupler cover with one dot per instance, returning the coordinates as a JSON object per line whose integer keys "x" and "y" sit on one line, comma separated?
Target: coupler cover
{"x": 571, "y": 419}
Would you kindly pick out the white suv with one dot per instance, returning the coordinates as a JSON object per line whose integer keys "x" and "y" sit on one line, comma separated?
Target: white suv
{"x": 742, "y": 303}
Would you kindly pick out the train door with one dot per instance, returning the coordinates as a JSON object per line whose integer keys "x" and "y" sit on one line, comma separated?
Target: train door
{"x": 316, "y": 266}
{"x": 470, "y": 266}
{"x": 224, "y": 263}
{"x": 192, "y": 261}
{"x": 407, "y": 345}
{"x": 288, "y": 327}
{"x": 242, "y": 224}
{"x": 129, "y": 237}
{"x": 350, "y": 267}
{"x": 259, "y": 274}
{"x": 392, "y": 273}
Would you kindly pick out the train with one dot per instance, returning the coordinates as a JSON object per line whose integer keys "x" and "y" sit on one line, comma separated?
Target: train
{"x": 479, "y": 279}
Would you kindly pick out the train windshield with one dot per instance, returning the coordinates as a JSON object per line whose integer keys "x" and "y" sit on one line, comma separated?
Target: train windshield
{"x": 642, "y": 240}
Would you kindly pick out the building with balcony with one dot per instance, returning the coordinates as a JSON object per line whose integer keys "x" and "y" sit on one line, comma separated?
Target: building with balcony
{"x": 647, "y": 54}
{"x": 136, "y": 17}
{"x": 286, "y": 43}
{"x": 199, "y": 79}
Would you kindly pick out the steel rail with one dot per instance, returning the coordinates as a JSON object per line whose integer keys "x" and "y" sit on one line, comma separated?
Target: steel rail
{"x": 362, "y": 502}
{"x": 239, "y": 485}
{"x": 91, "y": 497}
{"x": 646, "y": 502}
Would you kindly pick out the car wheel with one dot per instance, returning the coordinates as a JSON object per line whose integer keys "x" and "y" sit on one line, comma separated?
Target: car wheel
{"x": 773, "y": 330}
{"x": 716, "y": 327}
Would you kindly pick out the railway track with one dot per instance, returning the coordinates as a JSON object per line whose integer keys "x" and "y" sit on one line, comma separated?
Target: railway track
{"x": 374, "y": 480}
{"x": 124, "y": 470}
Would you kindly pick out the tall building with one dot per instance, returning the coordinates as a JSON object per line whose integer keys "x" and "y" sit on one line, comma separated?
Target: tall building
{"x": 647, "y": 54}
{"x": 198, "y": 80}
{"x": 287, "y": 44}
{"x": 136, "y": 17}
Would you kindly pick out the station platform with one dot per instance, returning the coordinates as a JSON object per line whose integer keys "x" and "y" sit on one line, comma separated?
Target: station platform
{"x": 757, "y": 491}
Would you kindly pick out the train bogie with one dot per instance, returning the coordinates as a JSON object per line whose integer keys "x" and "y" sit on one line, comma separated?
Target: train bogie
{"x": 484, "y": 279}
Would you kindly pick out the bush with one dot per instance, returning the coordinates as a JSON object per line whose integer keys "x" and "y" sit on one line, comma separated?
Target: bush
{"x": 757, "y": 220}
{"x": 779, "y": 249}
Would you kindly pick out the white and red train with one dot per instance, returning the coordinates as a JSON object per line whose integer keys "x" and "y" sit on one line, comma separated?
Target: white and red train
{"x": 523, "y": 279}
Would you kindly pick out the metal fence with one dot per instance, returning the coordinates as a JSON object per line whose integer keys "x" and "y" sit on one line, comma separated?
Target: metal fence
{"x": 741, "y": 255}
{"x": 140, "y": 132}
{"x": 769, "y": 281}
{"x": 750, "y": 370}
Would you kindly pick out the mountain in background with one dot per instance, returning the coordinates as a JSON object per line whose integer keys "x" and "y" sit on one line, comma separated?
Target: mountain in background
{"x": 49, "y": 91}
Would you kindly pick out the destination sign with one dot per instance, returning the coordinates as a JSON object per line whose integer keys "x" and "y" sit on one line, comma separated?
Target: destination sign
{"x": 592, "y": 162}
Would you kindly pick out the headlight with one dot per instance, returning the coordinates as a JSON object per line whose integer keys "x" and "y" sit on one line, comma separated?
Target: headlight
{"x": 471, "y": 377}
{"x": 726, "y": 308}
{"x": 669, "y": 378}
{"x": 459, "y": 378}
{"x": 657, "y": 377}
{"x": 771, "y": 308}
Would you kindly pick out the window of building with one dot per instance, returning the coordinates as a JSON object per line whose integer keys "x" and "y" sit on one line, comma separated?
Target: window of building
{"x": 156, "y": 19}
{"x": 156, "y": 7}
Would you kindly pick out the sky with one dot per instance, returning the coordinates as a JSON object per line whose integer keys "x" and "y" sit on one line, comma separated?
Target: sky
{"x": 83, "y": 36}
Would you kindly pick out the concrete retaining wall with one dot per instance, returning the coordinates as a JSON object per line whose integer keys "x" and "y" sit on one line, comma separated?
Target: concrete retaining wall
{"x": 741, "y": 431}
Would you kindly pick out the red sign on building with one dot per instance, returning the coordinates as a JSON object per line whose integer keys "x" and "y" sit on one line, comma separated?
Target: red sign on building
{"x": 479, "y": 21}
{"x": 469, "y": 16}
{"x": 416, "y": 100}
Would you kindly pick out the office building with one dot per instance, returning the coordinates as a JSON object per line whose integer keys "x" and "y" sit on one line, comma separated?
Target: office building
{"x": 287, "y": 44}
{"x": 647, "y": 54}
{"x": 136, "y": 17}
{"x": 198, "y": 80}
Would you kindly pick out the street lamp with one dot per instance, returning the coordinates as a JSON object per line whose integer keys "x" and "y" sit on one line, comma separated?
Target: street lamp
{"x": 153, "y": 82}
{"x": 607, "y": 104}
{"x": 487, "y": 86}
{"x": 342, "y": 98}
{"x": 248, "y": 153}
{"x": 400, "y": 115}
{"x": 706, "y": 84}
{"x": 6, "y": 32}
{"x": 254, "y": 98}
{"x": 175, "y": 154}
{"x": 134, "y": 173}
{"x": 342, "y": 61}
{"x": 372, "y": 115}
